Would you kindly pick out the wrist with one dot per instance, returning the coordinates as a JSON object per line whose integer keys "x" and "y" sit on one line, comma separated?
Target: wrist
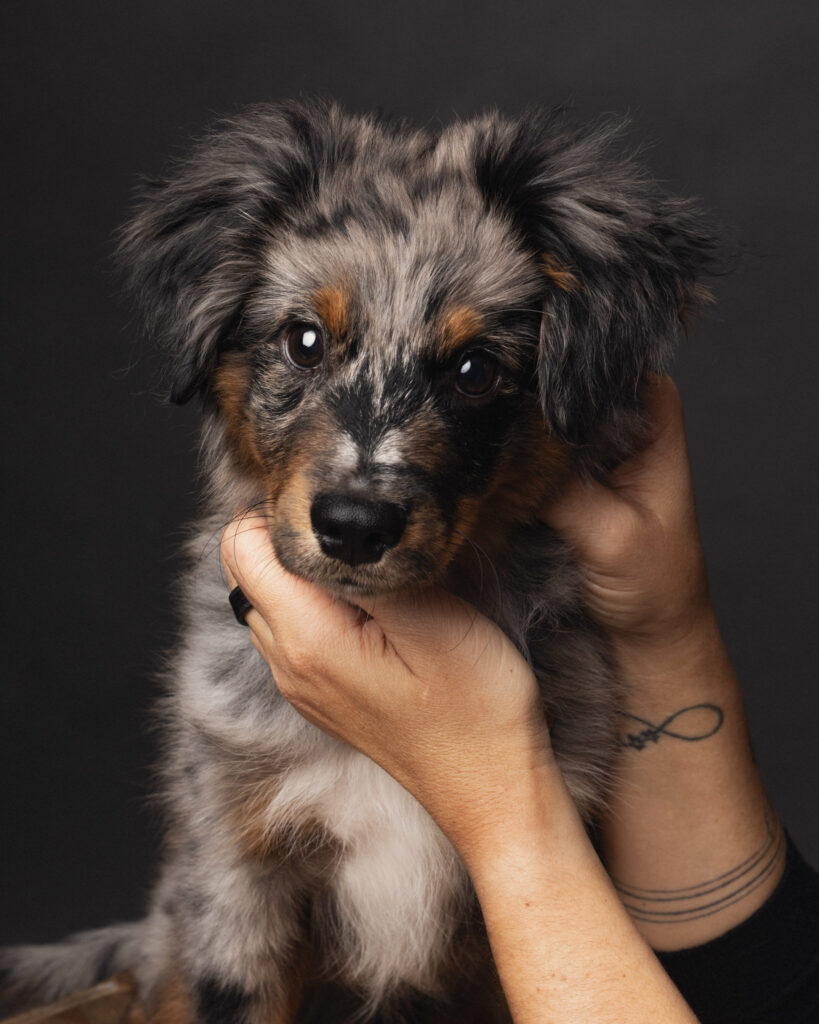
{"x": 692, "y": 659}
{"x": 531, "y": 815}
{"x": 689, "y": 819}
{"x": 554, "y": 920}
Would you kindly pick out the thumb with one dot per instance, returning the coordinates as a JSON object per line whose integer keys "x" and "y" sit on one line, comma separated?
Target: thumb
{"x": 289, "y": 605}
{"x": 580, "y": 509}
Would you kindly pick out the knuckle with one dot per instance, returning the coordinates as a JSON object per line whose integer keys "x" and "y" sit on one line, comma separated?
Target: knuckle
{"x": 287, "y": 687}
{"x": 240, "y": 554}
{"x": 301, "y": 662}
{"x": 226, "y": 544}
{"x": 295, "y": 690}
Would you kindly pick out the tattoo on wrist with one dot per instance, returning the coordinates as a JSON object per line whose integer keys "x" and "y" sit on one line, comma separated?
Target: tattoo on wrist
{"x": 677, "y": 906}
{"x": 703, "y": 720}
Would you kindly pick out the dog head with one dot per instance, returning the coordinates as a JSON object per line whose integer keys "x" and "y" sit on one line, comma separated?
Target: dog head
{"x": 405, "y": 340}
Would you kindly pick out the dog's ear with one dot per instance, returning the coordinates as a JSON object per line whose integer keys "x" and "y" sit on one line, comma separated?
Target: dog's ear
{"x": 190, "y": 248}
{"x": 620, "y": 263}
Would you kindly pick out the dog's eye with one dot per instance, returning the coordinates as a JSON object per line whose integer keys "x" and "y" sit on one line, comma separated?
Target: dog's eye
{"x": 476, "y": 374}
{"x": 304, "y": 346}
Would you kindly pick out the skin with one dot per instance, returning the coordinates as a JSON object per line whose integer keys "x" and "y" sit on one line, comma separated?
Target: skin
{"x": 682, "y": 813}
{"x": 439, "y": 697}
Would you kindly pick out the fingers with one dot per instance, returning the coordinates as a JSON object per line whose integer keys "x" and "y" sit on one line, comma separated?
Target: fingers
{"x": 249, "y": 559}
{"x": 581, "y": 506}
{"x": 663, "y": 405}
{"x": 662, "y": 466}
{"x": 285, "y": 607}
{"x": 659, "y": 477}
{"x": 663, "y": 408}
{"x": 261, "y": 635}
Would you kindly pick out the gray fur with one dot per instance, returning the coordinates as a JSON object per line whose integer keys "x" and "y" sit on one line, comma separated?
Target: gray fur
{"x": 52, "y": 971}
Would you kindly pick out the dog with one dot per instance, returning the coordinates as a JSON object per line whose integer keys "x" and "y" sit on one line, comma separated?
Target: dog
{"x": 404, "y": 342}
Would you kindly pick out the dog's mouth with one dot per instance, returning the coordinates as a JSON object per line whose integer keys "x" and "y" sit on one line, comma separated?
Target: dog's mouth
{"x": 336, "y": 568}
{"x": 397, "y": 570}
{"x": 349, "y": 588}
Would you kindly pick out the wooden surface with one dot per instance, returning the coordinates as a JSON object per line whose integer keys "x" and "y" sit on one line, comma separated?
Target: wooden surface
{"x": 111, "y": 1002}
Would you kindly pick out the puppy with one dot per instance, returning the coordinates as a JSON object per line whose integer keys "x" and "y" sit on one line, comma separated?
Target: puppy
{"x": 404, "y": 342}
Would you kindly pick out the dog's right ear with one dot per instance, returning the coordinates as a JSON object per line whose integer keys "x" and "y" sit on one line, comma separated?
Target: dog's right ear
{"x": 621, "y": 266}
{"x": 191, "y": 248}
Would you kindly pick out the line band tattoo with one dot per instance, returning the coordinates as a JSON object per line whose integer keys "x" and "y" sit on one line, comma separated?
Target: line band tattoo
{"x": 652, "y": 733}
{"x": 674, "y": 906}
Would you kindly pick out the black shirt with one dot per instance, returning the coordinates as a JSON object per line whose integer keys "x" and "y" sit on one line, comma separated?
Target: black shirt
{"x": 764, "y": 971}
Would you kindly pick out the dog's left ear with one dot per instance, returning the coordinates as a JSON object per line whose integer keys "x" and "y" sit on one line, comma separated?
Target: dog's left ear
{"x": 620, "y": 263}
{"x": 191, "y": 247}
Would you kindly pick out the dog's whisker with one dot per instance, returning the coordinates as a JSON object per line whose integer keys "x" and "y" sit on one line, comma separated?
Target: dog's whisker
{"x": 480, "y": 556}
{"x": 213, "y": 538}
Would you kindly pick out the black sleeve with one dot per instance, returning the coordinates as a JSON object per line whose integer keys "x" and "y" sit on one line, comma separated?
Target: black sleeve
{"x": 764, "y": 971}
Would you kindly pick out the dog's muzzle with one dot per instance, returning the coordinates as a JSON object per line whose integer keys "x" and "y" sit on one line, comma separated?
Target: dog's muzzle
{"x": 356, "y": 530}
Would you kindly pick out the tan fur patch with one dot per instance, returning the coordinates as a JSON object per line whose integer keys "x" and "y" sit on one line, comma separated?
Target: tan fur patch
{"x": 250, "y": 818}
{"x": 174, "y": 1003}
{"x": 294, "y": 981}
{"x": 332, "y": 305}
{"x": 264, "y": 834}
{"x": 534, "y": 471}
{"x": 560, "y": 276}
{"x": 465, "y": 518}
{"x": 290, "y": 492}
{"x": 230, "y": 385}
{"x": 458, "y": 326}
{"x": 424, "y": 530}
{"x": 262, "y": 838}
{"x": 422, "y": 441}
{"x": 290, "y": 505}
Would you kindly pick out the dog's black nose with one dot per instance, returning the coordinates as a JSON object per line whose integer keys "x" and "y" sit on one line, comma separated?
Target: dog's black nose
{"x": 356, "y": 530}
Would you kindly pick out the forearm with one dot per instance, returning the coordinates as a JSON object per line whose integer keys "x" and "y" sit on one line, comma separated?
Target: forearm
{"x": 564, "y": 947}
{"x": 689, "y": 838}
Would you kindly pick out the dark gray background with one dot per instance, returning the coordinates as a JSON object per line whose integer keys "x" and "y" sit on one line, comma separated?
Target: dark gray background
{"x": 98, "y": 476}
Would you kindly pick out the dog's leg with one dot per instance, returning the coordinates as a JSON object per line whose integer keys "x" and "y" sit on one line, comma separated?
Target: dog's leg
{"x": 239, "y": 953}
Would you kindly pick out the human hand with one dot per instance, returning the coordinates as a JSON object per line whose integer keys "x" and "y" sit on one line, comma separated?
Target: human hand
{"x": 423, "y": 684}
{"x": 636, "y": 537}
{"x": 681, "y": 813}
